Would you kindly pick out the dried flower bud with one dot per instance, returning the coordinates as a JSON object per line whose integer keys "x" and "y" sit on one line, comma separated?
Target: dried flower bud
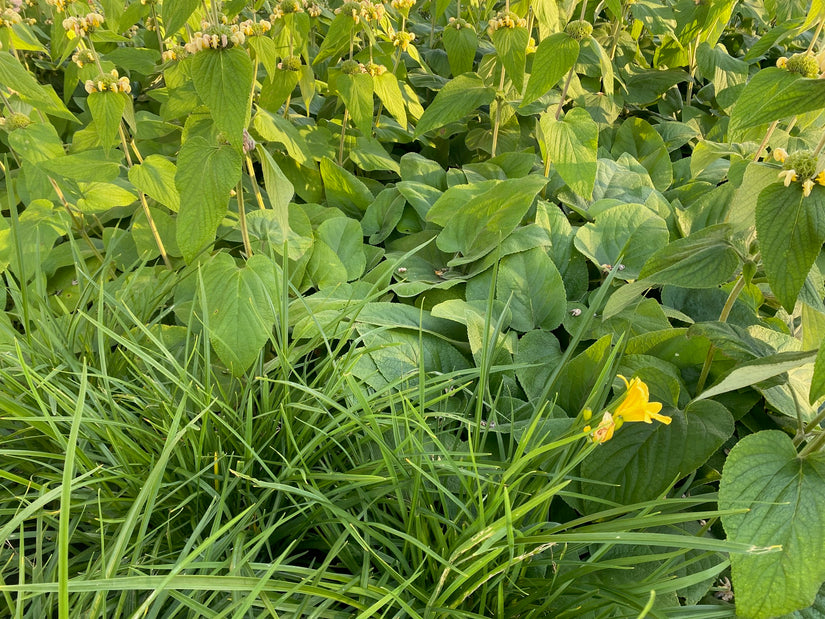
{"x": 579, "y": 29}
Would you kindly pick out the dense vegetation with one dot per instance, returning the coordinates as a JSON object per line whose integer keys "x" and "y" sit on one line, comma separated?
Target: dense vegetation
{"x": 425, "y": 309}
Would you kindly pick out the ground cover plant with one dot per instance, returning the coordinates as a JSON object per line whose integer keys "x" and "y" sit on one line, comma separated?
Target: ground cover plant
{"x": 418, "y": 309}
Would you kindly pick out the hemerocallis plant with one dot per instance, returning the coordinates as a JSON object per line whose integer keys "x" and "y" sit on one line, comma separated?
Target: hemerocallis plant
{"x": 634, "y": 406}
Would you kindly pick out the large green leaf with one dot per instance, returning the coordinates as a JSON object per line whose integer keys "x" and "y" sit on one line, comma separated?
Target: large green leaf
{"x": 774, "y": 93}
{"x": 240, "y": 304}
{"x": 107, "y": 110}
{"x": 791, "y": 230}
{"x": 639, "y": 139}
{"x": 555, "y": 56}
{"x": 389, "y": 92}
{"x": 532, "y": 284}
{"x": 641, "y": 461}
{"x": 483, "y": 222}
{"x": 345, "y": 237}
{"x": 155, "y": 177}
{"x": 511, "y": 49}
{"x": 343, "y": 189}
{"x": 572, "y": 144}
{"x": 223, "y": 81}
{"x": 175, "y": 14}
{"x": 630, "y": 231}
{"x": 457, "y": 98}
{"x": 751, "y": 373}
{"x": 784, "y": 496}
{"x": 14, "y": 76}
{"x": 705, "y": 259}
{"x": 356, "y": 92}
{"x": 206, "y": 173}
{"x": 461, "y": 45}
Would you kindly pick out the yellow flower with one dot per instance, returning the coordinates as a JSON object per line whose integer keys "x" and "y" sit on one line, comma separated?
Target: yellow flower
{"x": 788, "y": 177}
{"x": 820, "y": 178}
{"x": 807, "y": 186}
{"x": 606, "y": 428}
{"x": 636, "y": 405}
{"x": 780, "y": 154}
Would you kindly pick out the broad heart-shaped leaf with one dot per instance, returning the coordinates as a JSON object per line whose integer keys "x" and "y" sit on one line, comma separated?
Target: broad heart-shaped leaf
{"x": 344, "y": 237}
{"x": 790, "y": 229}
{"x": 704, "y": 259}
{"x": 206, "y": 173}
{"x": 240, "y": 305}
{"x": 457, "y": 98}
{"x": 572, "y": 144}
{"x": 775, "y": 93}
{"x": 223, "y": 81}
{"x": 785, "y": 498}
{"x": 277, "y": 88}
{"x": 14, "y": 76}
{"x": 389, "y": 92}
{"x": 639, "y": 139}
{"x": 642, "y": 460}
{"x": 532, "y": 284}
{"x": 356, "y": 91}
{"x": 753, "y": 372}
{"x": 156, "y": 178}
{"x": 343, "y": 189}
{"x": 482, "y": 223}
{"x": 461, "y": 45}
{"x": 337, "y": 39}
{"x": 176, "y": 13}
{"x": 555, "y": 56}
{"x": 631, "y": 231}
{"x": 107, "y": 110}
{"x": 511, "y": 49}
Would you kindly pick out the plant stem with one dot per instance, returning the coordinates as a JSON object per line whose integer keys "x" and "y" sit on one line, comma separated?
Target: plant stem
{"x": 723, "y": 316}
{"x": 815, "y": 445}
{"x": 242, "y": 218}
{"x": 143, "y": 203}
{"x": 255, "y": 188}
{"x": 499, "y": 101}
{"x": 343, "y": 135}
{"x": 564, "y": 91}
{"x": 765, "y": 140}
{"x": 820, "y": 145}
{"x": 816, "y": 36}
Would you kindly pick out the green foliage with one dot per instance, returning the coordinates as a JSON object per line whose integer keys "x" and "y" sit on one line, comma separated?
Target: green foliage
{"x": 318, "y": 310}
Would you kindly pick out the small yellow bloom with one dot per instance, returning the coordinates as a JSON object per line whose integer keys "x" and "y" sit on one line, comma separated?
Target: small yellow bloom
{"x": 788, "y": 177}
{"x": 820, "y": 178}
{"x": 636, "y": 405}
{"x": 606, "y": 428}
{"x": 780, "y": 154}
{"x": 806, "y": 187}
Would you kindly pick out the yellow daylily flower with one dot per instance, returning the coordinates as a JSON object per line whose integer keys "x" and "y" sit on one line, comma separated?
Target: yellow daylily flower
{"x": 604, "y": 431}
{"x": 637, "y": 406}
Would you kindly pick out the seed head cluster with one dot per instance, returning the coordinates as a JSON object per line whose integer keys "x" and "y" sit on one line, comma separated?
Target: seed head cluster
{"x": 579, "y": 29}
{"x": 108, "y": 82}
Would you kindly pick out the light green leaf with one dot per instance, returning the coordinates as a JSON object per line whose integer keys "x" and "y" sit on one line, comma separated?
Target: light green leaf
{"x": 277, "y": 88}
{"x": 239, "y": 303}
{"x": 511, "y": 49}
{"x": 13, "y": 75}
{"x": 356, "y": 92}
{"x": 555, "y": 56}
{"x": 572, "y": 145}
{"x": 89, "y": 166}
{"x": 345, "y": 237}
{"x": 791, "y": 230}
{"x": 389, "y": 92}
{"x": 753, "y": 372}
{"x": 784, "y": 496}
{"x": 223, "y": 81}
{"x": 156, "y": 178}
{"x": 206, "y": 173}
{"x": 175, "y": 14}
{"x": 461, "y": 45}
{"x": 773, "y": 94}
{"x": 631, "y": 231}
{"x": 99, "y": 197}
{"x": 705, "y": 259}
{"x": 483, "y": 222}
{"x": 343, "y": 189}
{"x": 457, "y": 98}
{"x": 532, "y": 284}
{"x": 640, "y": 140}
